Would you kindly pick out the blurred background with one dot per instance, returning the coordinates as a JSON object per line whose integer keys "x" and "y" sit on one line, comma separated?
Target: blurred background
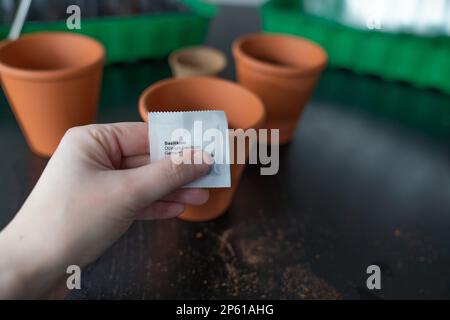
{"x": 404, "y": 40}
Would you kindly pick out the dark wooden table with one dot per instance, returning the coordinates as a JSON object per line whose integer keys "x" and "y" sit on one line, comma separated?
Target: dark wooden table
{"x": 365, "y": 181}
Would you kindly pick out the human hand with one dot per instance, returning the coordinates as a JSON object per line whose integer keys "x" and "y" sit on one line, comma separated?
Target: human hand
{"x": 96, "y": 184}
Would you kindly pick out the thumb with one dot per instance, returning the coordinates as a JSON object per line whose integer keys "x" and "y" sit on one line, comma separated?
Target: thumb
{"x": 152, "y": 182}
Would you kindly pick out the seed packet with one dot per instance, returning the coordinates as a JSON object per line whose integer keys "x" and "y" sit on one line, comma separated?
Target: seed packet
{"x": 172, "y": 132}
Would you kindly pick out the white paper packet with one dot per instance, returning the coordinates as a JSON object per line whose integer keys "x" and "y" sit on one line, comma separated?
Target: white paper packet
{"x": 171, "y": 132}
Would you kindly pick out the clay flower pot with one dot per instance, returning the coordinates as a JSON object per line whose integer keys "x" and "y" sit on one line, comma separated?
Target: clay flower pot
{"x": 197, "y": 61}
{"x": 243, "y": 109}
{"x": 283, "y": 71}
{"x": 52, "y": 82}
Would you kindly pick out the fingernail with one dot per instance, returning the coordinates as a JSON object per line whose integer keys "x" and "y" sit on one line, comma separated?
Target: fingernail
{"x": 176, "y": 209}
{"x": 207, "y": 158}
{"x": 203, "y": 161}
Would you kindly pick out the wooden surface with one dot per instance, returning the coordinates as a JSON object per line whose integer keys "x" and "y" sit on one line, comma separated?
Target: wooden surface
{"x": 361, "y": 184}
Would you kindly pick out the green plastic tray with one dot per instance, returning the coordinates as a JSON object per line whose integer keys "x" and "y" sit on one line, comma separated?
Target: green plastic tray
{"x": 139, "y": 37}
{"x": 422, "y": 61}
{"x": 426, "y": 111}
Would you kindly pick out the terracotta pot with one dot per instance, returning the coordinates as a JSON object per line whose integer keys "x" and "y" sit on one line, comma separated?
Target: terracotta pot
{"x": 197, "y": 61}
{"x": 4, "y": 43}
{"x": 283, "y": 71}
{"x": 243, "y": 109}
{"x": 52, "y": 82}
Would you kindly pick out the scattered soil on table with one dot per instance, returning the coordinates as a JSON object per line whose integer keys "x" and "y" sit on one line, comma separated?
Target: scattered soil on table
{"x": 300, "y": 282}
{"x": 263, "y": 268}
{"x": 227, "y": 254}
{"x": 418, "y": 247}
{"x": 260, "y": 250}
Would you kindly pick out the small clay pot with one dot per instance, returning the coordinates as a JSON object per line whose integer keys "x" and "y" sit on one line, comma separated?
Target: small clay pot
{"x": 4, "y": 43}
{"x": 244, "y": 110}
{"x": 52, "y": 82}
{"x": 197, "y": 61}
{"x": 283, "y": 71}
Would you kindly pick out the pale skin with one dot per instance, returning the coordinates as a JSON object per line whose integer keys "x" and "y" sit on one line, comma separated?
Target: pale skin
{"x": 98, "y": 182}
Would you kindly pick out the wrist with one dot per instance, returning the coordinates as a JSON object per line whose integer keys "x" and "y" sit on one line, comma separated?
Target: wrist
{"x": 28, "y": 269}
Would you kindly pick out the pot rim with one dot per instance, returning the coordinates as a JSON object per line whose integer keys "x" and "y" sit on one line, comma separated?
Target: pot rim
{"x": 61, "y": 73}
{"x": 143, "y": 112}
{"x": 175, "y": 62}
{"x": 286, "y": 71}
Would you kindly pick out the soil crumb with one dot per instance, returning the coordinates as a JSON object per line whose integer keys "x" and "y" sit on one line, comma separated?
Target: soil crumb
{"x": 300, "y": 282}
{"x": 265, "y": 267}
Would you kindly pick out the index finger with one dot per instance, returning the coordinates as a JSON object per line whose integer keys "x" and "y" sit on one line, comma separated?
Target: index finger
{"x": 130, "y": 137}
